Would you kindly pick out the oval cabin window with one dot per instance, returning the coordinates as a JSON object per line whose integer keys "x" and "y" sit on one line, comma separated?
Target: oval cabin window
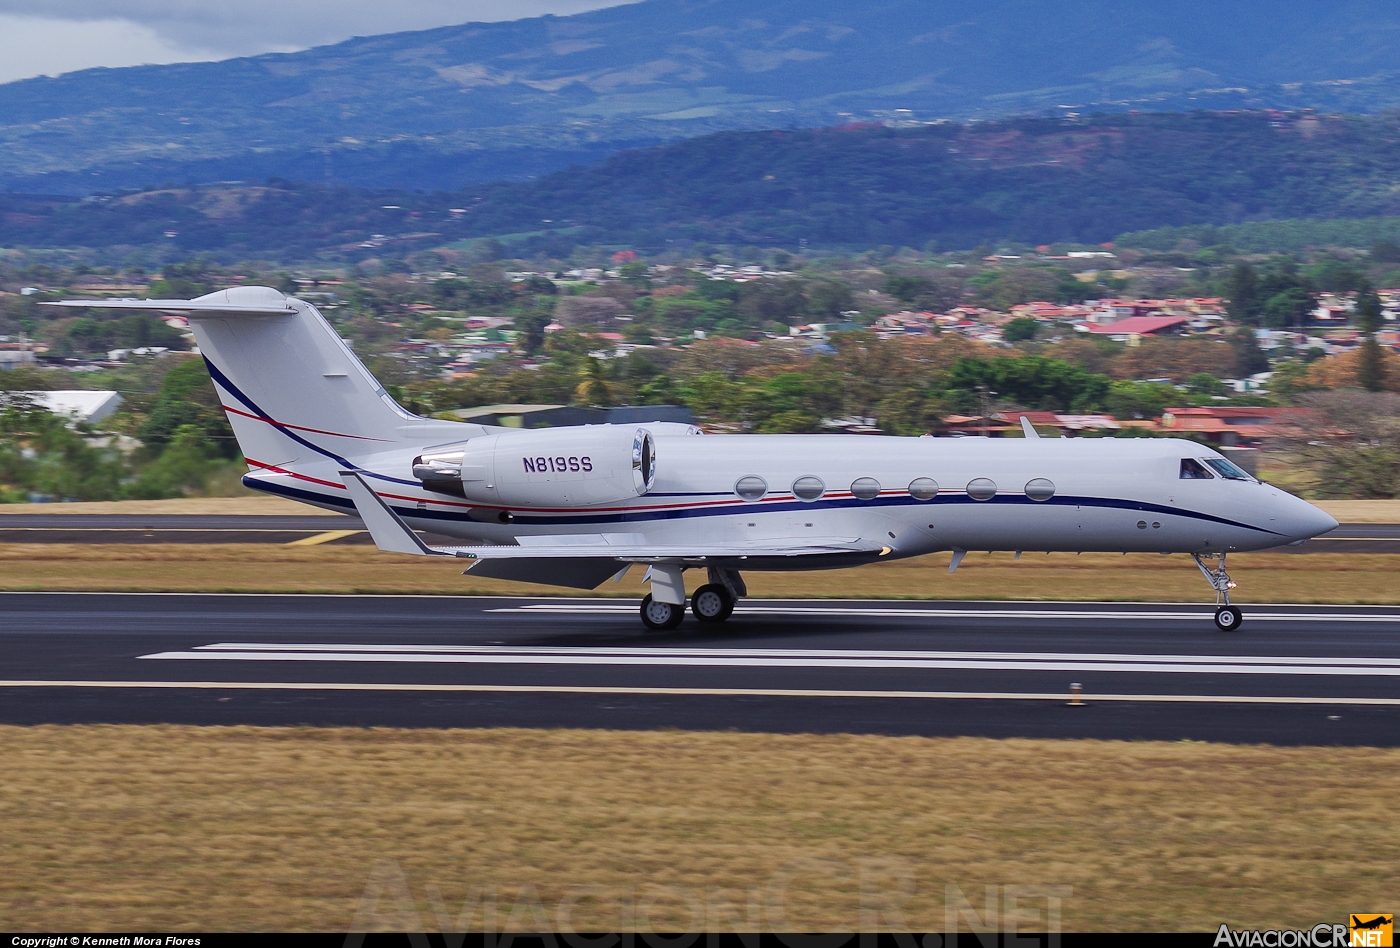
{"x": 751, "y": 487}
{"x": 865, "y": 488}
{"x": 1040, "y": 489}
{"x": 808, "y": 488}
{"x": 981, "y": 488}
{"x": 923, "y": 488}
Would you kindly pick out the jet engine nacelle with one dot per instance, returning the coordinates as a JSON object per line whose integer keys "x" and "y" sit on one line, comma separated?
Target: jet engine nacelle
{"x": 553, "y": 467}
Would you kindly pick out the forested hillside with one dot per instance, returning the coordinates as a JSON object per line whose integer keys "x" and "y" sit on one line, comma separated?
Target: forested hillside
{"x": 1035, "y": 181}
{"x": 440, "y": 108}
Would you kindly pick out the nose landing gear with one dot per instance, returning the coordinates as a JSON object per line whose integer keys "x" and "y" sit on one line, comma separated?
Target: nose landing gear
{"x": 1227, "y": 617}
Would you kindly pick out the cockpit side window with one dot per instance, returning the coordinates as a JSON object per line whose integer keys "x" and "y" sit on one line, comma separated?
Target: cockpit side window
{"x": 1192, "y": 470}
{"x": 1228, "y": 470}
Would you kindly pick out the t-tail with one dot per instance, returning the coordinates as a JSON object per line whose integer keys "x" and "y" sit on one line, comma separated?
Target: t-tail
{"x": 297, "y": 397}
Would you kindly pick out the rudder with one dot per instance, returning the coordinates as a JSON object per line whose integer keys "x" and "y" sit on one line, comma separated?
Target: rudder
{"x": 289, "y": 383}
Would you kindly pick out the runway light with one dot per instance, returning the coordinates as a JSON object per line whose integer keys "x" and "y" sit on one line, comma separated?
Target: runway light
{"x": 1075, "y": 690}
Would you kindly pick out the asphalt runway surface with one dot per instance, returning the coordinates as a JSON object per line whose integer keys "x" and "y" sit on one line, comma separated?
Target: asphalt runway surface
{"x": 1291, "y": 675}
{"x": 340, "y": 529}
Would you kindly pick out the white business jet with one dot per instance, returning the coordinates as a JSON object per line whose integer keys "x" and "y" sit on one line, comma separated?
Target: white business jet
{"x": 574, "y": 506}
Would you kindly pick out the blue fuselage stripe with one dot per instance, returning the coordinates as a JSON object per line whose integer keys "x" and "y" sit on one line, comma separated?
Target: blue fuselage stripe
{"x": 224, "y": 381}
{"x": 643, "y": 515}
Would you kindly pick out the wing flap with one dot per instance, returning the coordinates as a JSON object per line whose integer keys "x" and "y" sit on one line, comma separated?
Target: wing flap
{"x": 633, "y": 552}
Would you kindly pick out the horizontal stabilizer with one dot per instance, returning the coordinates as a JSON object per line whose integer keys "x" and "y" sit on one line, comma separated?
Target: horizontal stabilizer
{"x": 385, "y": 527}
{"x": 239, "y": 301}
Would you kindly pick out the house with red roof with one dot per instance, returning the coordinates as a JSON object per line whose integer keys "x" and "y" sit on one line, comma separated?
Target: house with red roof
{"x": 1124, "y": 329}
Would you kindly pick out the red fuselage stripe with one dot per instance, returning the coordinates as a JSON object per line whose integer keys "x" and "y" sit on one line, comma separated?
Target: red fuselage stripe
{"x": 282, "y": 424}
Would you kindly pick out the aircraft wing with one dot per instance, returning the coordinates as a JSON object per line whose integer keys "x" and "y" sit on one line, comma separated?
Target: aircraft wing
{"x": 580, "y": 560}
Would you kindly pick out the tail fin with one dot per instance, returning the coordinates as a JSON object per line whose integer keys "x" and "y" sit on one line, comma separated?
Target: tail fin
{"x": 290, "y": 384}
{"x": 292, "y": 388}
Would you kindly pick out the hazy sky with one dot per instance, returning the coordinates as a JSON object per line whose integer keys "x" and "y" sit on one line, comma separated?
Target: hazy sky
{"x": 49, "y": 37}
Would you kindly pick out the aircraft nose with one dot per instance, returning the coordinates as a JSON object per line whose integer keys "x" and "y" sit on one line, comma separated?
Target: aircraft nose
{"x": 1306, "y": 521}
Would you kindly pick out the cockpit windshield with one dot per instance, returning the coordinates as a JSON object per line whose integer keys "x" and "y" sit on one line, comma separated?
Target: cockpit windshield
{"x": 1192, "y": 470}
{"x": 1227, "y": 470}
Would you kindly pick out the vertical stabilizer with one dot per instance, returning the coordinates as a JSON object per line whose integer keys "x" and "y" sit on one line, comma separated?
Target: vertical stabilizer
{"x": 289, "y": 383}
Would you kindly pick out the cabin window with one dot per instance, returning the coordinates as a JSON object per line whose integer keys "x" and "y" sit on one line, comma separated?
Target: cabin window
{"x": 808, "y": 488}
{"x": 981, "y": 488}
{"x": 923, "y": 488}
{"x": 1040, "y": 489}
{"x": 1192, "y": 470}
{"x": 865, "y": 488}
{"x": 751, "y": 487}
{"x": 1228, "y": 470}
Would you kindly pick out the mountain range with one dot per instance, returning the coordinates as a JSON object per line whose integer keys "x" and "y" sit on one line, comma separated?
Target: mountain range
{"x": 441, "y": 108}
{"x": 1079, "y": 179}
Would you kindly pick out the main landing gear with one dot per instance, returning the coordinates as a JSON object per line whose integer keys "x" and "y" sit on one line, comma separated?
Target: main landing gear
{"x": 1227, "y": 617}
{"x": 661, "y": 615}
{"x": 712, "y": 603}
{"x": 664, "y": 607}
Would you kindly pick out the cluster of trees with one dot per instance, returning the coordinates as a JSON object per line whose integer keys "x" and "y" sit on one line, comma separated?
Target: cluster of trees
{"x": 904, "y": 385}
{"x": 187, "y": 446}
{"x": 1281, "y": 295}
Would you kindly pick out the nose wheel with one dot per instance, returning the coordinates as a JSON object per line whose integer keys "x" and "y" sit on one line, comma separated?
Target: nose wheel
{"x": 1227, "y": 617}
{"x": 661, "y": 615}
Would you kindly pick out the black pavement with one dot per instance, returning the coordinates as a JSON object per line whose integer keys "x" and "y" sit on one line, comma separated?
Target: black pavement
{"x": 1291, "y": 675}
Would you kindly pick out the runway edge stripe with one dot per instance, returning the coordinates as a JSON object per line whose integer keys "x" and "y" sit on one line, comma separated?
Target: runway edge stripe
{"x": 699, "y": 692}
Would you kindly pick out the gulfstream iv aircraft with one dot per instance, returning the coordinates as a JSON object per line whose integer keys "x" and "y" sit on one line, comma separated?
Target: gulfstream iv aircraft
{"x": 576, "y": 506}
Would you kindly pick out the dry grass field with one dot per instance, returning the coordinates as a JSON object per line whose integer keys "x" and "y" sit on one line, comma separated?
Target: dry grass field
{"x": 167, "y": 828}
{"x": 1263, "y": 577}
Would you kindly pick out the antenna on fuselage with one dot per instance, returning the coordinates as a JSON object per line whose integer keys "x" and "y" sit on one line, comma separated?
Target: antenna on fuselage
{"x": 1029, "y": 428}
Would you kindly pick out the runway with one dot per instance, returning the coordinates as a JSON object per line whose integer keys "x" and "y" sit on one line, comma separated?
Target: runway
{"x": 1293, "y": 675}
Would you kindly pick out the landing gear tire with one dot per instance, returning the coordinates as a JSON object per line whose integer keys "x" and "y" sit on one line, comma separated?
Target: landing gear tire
{"x": 712, "y": 603}
{"x": 661, "y": 615}
{"x": 1228, "y": 618}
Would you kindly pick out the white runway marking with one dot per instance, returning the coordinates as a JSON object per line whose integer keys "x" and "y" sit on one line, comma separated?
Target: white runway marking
{"x": 698, "y": 692}
{"x": 750, "y": 609}
{"x": 789, "y": 658}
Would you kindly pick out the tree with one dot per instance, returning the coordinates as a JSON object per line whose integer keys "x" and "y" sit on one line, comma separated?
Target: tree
{"x": 588, "y": 310}
{"x": 906, "y": 287}
{"x": 595, "y": 389}
{"x": 1020, "y": 329}
{"x": 1203, "y": 383}
{"x": 1385, "y": 251}
{"x": 1287, "y": 308}
{"x": 1242, "y": 290}
{"x": 1370, "y": 370}
{"x": 187, "y": 397}
{"x": 828, "y": 299}
{"x": 1356, "y": 449}
{"x": 1140, "y": 399}
{"x": 1249, "y": 358}
{"x": 1032, "y": 381}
